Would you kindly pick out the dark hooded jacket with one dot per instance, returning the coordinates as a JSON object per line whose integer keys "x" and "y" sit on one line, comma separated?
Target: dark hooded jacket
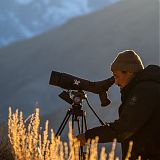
{"x": 139, "y": 117}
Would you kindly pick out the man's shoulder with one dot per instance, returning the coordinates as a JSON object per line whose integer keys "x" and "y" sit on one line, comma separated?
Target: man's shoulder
{"x": 149, "y": 84}
{"x": 147, "y": 87}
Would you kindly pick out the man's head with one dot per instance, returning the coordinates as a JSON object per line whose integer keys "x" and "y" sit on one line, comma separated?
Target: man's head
{"x": 125, "y": 66}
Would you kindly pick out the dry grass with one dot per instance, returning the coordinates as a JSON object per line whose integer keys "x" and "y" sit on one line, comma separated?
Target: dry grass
{"x": 29, "y": 142}
{"x": 5, "y": 147}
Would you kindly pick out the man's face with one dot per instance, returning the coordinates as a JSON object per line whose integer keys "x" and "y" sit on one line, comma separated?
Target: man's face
{"x": 122, "y": 78}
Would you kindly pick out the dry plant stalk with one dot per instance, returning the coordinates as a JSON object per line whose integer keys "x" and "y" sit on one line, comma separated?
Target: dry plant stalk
{"x": 28, "y": 142}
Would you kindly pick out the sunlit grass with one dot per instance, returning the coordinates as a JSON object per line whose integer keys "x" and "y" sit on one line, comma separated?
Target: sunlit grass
{"x": 29, "y": 142}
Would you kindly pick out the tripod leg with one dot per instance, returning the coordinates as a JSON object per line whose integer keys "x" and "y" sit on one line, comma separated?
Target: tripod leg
{"x": 85, "y": 122}
{"x": 72, "y": 122}
{"x": 65, "y": 120}
{"x": 85, "y": 128}
{"x": 81, "y": 148}
{"x": 82, "y": 125}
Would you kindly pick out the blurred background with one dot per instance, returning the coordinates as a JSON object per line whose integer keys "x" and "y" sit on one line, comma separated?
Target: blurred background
{"x": 79, "y": 37}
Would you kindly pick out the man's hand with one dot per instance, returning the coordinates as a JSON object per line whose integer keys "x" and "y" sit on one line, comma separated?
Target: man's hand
{"x": 82, "y": 139}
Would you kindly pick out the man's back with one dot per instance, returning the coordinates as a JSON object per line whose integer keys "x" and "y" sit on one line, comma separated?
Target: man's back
{"x": 144, "y": 91}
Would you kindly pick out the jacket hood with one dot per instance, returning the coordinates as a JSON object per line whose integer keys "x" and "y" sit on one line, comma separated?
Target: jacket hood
{"x": 150, "y": 73}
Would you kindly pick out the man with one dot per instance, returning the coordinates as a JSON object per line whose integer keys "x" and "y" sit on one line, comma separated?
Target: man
{"x": 139, "y": 112}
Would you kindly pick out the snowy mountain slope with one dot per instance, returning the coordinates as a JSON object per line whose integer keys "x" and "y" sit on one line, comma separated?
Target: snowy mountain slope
{"x": 20, "y": 19}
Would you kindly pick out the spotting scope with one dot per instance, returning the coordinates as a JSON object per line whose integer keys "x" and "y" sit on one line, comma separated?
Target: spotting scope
{"x": 70, "y": 82}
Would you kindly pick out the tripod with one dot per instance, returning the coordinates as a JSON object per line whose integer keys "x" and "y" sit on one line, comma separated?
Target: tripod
{"x": 77, "y": 113}
{"x": 79, "y": 116}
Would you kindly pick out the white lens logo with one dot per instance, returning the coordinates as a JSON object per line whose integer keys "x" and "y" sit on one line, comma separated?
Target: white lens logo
{"x": 76, "y": 82}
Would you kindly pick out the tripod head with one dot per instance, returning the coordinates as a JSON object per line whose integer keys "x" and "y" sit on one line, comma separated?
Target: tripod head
{"x": 73, "y": 97}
